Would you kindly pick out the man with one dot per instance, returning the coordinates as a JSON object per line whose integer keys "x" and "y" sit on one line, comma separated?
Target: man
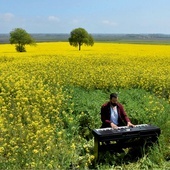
{"x": 113, "y": 114}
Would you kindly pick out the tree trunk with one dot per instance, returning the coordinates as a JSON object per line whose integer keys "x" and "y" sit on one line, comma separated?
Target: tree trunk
{"x": 79, "y": 47}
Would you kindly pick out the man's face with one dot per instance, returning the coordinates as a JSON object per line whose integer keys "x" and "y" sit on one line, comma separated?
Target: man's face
{"x": 114, "y": 100}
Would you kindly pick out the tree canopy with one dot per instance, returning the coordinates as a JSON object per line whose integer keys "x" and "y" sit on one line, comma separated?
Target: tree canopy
{"x": 80, "y": 36}
{"x": 20, "y": 38}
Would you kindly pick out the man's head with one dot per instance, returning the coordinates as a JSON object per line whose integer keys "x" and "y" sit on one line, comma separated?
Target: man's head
{"x": 113, "y": 98}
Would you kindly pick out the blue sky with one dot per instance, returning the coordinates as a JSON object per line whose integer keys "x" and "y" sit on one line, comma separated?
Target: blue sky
{"x": 96, "y": 16}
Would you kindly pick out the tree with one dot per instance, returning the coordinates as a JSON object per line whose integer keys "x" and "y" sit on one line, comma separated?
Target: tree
{"x": 80, "y": 36}
{"x": 20, "y": 38}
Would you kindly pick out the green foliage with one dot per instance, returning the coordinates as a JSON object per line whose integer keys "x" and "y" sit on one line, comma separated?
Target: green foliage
{"x": 80, "y": 36}
{"x": 20, "y": 38}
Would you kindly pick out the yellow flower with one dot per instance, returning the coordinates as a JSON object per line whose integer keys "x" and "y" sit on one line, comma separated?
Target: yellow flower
{"x": 1, "y": 149}
{"x": 60, "y": 133}
{"x": 11, "y": 115}
{"x": 47, "y": 120}
{"x": 73, "y": 146}
{"x": 35, "y": 151}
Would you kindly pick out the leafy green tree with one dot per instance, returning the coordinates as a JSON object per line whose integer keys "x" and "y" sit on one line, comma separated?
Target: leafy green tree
{"x": 80, "y": 36}
{"x": 20, "y": 38}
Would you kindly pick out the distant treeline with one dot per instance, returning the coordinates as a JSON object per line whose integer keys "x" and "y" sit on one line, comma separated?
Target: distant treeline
{"x": 119, "y": 38}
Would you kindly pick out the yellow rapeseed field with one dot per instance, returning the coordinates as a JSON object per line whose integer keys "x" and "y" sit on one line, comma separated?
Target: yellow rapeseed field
{"x": 33, "y": 93}
{"x": 101, "y": 66}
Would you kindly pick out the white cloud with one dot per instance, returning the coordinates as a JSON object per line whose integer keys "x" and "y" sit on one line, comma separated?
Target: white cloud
{"x": 111, "y": 23}
{"x": 53, "y": 18}
{"x": 6, "y": 17}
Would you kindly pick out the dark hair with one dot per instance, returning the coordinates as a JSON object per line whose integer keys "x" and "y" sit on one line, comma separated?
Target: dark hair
{"x": 113, "y": 95}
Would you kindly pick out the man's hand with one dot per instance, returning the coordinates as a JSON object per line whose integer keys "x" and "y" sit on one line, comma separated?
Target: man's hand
{"x": 130, "y": 124}
{"x": 113, "y": 126}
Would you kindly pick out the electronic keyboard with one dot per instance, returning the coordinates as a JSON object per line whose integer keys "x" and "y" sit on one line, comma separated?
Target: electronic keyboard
{"x": 122, "y": 132}
{"x": 124, "y": 136}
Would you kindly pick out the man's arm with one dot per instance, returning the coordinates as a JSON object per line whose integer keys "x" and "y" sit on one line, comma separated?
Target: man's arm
{"x": 105, "y": 115}
{"x": 125, "y": 117}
